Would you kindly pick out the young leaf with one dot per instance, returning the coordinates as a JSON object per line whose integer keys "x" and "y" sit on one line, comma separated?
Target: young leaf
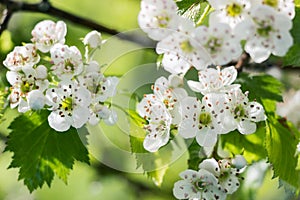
{"x": 281, "y": 144}
{"x": 194, "y": 153}
{"x": 40, "y": 152}
{"x": 184, "y": 5}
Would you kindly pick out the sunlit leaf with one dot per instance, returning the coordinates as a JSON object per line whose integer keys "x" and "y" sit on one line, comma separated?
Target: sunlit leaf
{"x": 40, "y": 152}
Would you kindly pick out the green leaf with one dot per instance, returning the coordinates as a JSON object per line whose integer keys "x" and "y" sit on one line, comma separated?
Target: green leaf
{"x": 260, "y": 87}
{"x": 251, "y": 146}
{"x": 194, "y": 155}
{"x": 40, "y": 152}
{"x": 184, "y": 5}
{"x": 292, "y": 58}
{"x": 154, "y": 164}
{"x": 281, "y": 144}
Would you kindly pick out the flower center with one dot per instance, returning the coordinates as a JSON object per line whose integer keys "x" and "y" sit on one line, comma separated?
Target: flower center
{"x": 205, "y": 118}
{"x": 234, "y": 10}
{"x": 162, "y": 21}
{"x": 264, "y": 28}
{"x": 186, "y": 46}
{"x": 67, "y": 104}
{"x": 272, "y": 3}
{"x": 25, "y": 87}
{"x": 213, "y": 44}
{"x": 239, "y": 111}
{"x": 69, "y": 66}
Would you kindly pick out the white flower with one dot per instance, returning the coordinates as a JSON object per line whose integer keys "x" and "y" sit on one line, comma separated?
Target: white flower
{"x": 22, "y": 57}
{"x": 198, "y": 185}
{"x": 101, "y": 87}
{"x": 158, "y": 18}
{"x": 67, "y": 61}
{"x": 102, "y": 112}
{"x": 219, "y": 42}
{"x": 239, "y": 162}
{"x": 181, "y": 51}
{"x": 231, "y": 12}
{"x": 215, "y": 80}
{"x": 22, "y": 85}
{"x": 228, "y": 177}
{"x": 286, "y": 7}
{"x": 268, "y": 34}
{"x": 69, "y": 105}
{"x": 36, "y": 100}
{"x": 47, "y": 33}
{"x": 159, "y": 122}
{"x": 242, "y": 114}
{"x": 92, "y": 39}
{"x": 201, "y": 120}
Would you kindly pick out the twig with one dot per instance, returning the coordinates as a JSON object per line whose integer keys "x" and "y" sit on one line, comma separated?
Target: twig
{"x": 46, "y": 8}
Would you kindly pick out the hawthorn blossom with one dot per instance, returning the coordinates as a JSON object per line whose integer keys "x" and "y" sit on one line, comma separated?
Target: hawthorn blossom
{"x": 197, "y": 185}
{"x": 286, "y": 7}
{"x": 47, "y": 33}
{"x": 202, "y": 120}
{"x": 23, "y": 87}
{"x": 215, "y": 80}
{"x": 227, "y": 175}
{"x": 67, "y": 61}
{"x": 22, "y": 57}
{"x": 69, "y": 104}
{"x": 242, "y": 114}
{"x": 231, "y": 12}
{"x": 101, "y": 88}
{"x": 158, "y": 18}
{"x": 160, "y": 109}
{"x": 219, "y": 42}
{"x": 267, "y": 34}
{"x": 92, "y": 39}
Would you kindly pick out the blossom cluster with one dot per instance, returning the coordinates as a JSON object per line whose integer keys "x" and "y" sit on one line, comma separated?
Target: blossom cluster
{"x": 222, "y": 109}
{"x": 265, "y": 29}
{"x": 213, "y": 180}
{"x": 48, "y": 74}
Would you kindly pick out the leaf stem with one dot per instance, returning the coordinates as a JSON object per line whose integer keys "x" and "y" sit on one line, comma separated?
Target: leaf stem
{"x": 205, "y": 13}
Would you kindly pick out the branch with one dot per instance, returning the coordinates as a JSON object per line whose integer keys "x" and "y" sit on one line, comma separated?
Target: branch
{"x": 46, "y": 8}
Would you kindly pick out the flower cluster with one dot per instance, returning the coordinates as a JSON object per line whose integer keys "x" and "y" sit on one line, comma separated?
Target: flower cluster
{"x": 265, "y": 26}
{"x": 48, "y": 74}
{"x": 213, "y": 180}
{"x": 223, "y": 108}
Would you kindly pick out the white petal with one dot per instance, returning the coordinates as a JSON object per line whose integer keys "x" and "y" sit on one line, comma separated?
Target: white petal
{"x": 184, "y": 190}
{"x": 246, "y": 127}
{"x": 58, "y": 123}
{"x": 153, "y": 141}
{"x": 206, "y": 137}
{"x": 210, "y": 165}
{"x": 80, "y": 116}
{"x": 36, "y": 99}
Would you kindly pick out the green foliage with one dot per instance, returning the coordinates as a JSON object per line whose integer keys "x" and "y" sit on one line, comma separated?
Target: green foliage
{"x": 40, "y": 152}
{"x": 155, "y": 164}
{"x": 292, "y": 58}
{"x": 281, "y": 145}
{"x": 251, "y": 146}
{"x": 194, "y": 153}
{"x": 184, "y": 5}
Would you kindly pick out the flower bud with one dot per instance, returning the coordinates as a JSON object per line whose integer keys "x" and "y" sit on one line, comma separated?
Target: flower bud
{"x": 93, "y": 39}
{"x": 239, "y": 162}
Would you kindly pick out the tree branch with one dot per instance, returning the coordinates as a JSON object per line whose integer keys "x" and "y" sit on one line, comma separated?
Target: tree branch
{"x": 46, "y": 8}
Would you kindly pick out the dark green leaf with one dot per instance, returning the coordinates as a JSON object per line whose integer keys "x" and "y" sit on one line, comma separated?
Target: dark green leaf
{"x": 292, "y": 58}
{"x": 194, "y": 155}
{"x": 260, "y": 87}
{"x": 40, "y": 152}
{"x": 281, "y": 144}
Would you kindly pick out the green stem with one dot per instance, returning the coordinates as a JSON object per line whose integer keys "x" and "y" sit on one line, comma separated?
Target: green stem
{"x": 205, "y": 13}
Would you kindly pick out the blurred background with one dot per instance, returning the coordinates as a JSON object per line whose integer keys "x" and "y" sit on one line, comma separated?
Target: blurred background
{"x": 112, "y": 174}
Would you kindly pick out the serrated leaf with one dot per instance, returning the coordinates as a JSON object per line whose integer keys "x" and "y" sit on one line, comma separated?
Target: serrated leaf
{"x": 292, "y": 58}
{"x": 251, "y": 146}
{"x": 184, "y": 5}
{"x": 261, "y": 87}
{"x": 154, "y": 164}
{"x": 40, "y": 152}
{"x": 280, "y": 144}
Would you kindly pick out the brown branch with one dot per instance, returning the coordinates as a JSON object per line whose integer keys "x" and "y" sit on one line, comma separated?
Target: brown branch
{"x": 46, "y": 8}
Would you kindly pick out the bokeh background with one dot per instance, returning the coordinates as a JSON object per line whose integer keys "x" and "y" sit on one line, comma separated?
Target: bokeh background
{"x": 111, "y": 175}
